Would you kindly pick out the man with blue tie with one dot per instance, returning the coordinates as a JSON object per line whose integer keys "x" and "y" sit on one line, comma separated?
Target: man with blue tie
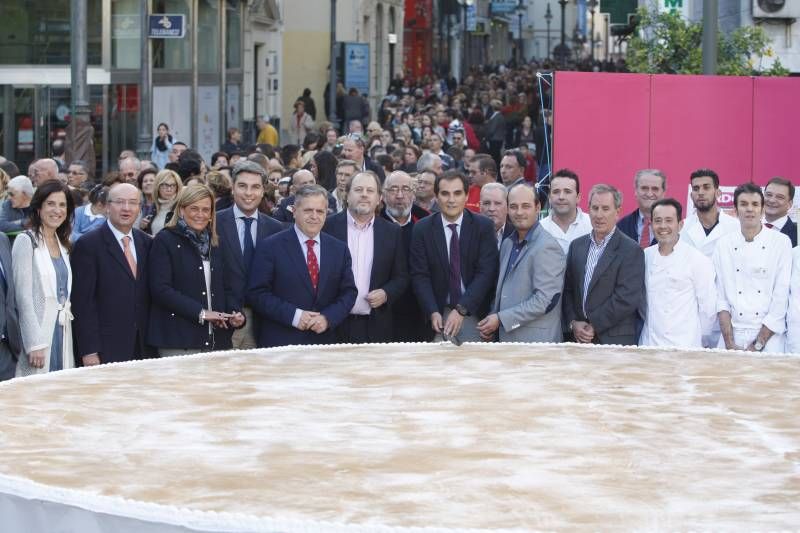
{"x": 240, "y": 227}
{"x": 10, "y": 338}
{"x": 453, "y": 262}
{"x": 301, "y": 283}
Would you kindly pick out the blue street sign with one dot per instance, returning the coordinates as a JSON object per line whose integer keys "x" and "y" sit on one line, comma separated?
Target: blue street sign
{"x": 356, "y": 67}
{"x": 166, "y": 26}
{"x": 503, "y": 7}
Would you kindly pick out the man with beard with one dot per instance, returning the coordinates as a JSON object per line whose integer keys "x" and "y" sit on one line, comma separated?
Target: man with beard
{"x": 753, "y": 268}
{"x": 679, "y": 280}
{"x": 400, "y": 209}
{"x": 379, "y": 261}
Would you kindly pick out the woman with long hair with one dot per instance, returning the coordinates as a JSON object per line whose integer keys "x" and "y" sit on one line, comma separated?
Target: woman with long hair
{"x": 166, "y": 189}
{"x": 189, "y": 311}
{"x": 162, "y": 145}
{"x": 43, "y": 281}
{"x": 324, "y": 169}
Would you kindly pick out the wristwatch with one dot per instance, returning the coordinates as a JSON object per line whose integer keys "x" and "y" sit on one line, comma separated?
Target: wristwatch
{"x": 461, "y": 310}
{"x": 758, "y": 345}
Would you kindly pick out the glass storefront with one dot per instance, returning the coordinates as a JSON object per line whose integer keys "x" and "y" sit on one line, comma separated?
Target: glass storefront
{"x": 37, "y": 32}
{"x": 125, "y": 34}
{"x": 233, "y": 34}
{"x": 208, "y": 34}
{"x": 174, "y": 54}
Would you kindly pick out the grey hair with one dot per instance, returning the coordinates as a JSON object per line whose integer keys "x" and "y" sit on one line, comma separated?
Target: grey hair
{"x": 245, "y": 165}
{"x": 602, "y": 188}
{"x": 22, "y": 184}
{"x": 425, "y": 162}
{"x": 137, "y": 163}
{"x": 494, "y": 186}
{"x": 80, "y": 163}
{"x": 307, "y": 191}
{"x": 650, "y": 172}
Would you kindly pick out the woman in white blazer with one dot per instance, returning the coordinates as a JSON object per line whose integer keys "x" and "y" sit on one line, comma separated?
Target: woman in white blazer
{"x": 43, "y": 280}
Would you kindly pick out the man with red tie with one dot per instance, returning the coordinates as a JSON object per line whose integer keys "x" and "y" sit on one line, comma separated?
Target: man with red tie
{"x": 650, "y": 185}
{"x": 301, "y": 283}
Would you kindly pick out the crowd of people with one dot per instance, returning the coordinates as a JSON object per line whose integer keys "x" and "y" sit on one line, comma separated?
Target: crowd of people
{"x": 426, "y": 224}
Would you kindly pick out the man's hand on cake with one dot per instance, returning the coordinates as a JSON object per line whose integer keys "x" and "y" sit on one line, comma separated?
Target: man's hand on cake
{"x": 36, "y": 358}
{"x": 488, "y": 326}
{"x": 376, "y": 298}
{"x": 91, "y": 359}
{"x": 453, "y": 325}
{"x": 319, "y": 324}
{"x": 436, "y": 322}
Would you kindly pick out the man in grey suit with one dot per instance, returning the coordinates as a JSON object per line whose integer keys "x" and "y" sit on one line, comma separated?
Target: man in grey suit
{"x": 604, "y": 283}
{"x": 527, "y": 303}
{"x": 10, "y": 337}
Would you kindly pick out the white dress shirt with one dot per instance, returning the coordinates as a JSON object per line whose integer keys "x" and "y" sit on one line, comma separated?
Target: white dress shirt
{"x": 118, "y": 235}
{"x": 582, "y": 225}
{"x": 240, "y": 226}
{"x": 777, "y": 224}
{"x": 681, "y": 297}
{"x": 753, "y": 283}
{"x": 694, "y": 234}
{"x": 302, "y": 238}
{"x": 447, "y": 234}
{"x": 361, "y": 242}
{"x": 793, "y": 313}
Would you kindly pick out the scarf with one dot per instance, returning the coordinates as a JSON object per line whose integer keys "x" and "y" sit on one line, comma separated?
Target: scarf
{"x": 201, "y": 241}
{"x": 161, "y": 145}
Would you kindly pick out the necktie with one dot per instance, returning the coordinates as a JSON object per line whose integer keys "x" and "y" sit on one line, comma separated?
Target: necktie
{"x": 644, "y": 239}
{"x": 770, "y": 226}
{"x": 313, "y": 266}
{"x": 455, "y": 266}
{"x": 248, "y": 248}
{"x": 126, "y": 248}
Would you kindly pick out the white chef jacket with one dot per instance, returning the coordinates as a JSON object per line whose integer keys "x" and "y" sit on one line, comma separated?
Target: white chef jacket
{"x": 694, "y": 234}
{"x": 582, "y": 225}
{"x": 753, "y": 280}
{"x": 793, "y": 313}
{"x": 681, "y": 297}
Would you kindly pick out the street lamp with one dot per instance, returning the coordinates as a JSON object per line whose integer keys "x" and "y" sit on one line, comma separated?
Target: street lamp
{"x": 465, "y": 4}
{"x": 561, "y": 52}
{"x": 592, "y": 5}
{"x": 548, "y": 17}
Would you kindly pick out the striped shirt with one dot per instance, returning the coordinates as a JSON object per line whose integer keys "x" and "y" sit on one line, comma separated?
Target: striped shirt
{"x": 595, "y": 253}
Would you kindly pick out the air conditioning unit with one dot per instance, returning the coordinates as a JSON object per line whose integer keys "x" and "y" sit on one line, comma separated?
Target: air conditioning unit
{"x": 776, "y": 9}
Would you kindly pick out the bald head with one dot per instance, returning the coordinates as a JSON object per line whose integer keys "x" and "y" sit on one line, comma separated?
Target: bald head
{"x": 43, "y": 170}
{"x": 124, "y": 202}
{"x": 301, "y": 178}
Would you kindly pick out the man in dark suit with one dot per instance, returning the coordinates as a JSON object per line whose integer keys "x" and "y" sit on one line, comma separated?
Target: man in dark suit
{"x": 301, "y": 283}
{"x": 399, "y": 209}
{"x": 604, "y": 280}
{"x": 495, "y": 133}
{"x": 494, "y": 205}
{"x": 380, "y": 268}
{"x": 650, "y": 185}
{"x": 10, "y": 337}
{"x": 778, "y": 199}
{"x": 239, "y": 228}
{"x": 454, "y": 261}
{"x": 110, "y": 295}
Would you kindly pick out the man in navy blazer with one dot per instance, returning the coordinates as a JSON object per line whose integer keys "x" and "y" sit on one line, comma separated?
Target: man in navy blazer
{"x": 778, "y": 199}
{"x": 454, "y": 281}
{"x": 379, "y": 261}
{"x": 110, "y": 302}
{"x": 239, "y": 228}
{"x": 301, "y": 283}
{"x": 10, "y": 335}
{"x": 650, "y": 185}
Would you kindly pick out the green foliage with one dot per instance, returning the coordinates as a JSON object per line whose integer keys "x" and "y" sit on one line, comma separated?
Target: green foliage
{"x": 667, "y": 44}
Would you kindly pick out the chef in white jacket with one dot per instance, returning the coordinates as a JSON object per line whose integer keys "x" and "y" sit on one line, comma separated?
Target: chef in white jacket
{"x": 703, "y": 228}
{"x": 793, "y": 312}
{"x": 681, "y": 293}
{"x": 753, "y": 269}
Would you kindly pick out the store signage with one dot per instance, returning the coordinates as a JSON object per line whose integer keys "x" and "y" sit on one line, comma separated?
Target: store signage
{"x": 164, "y": 26}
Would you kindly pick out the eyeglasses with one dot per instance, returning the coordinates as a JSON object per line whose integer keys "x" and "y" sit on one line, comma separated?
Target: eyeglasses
{"x": 168, "y": 186}
{"x": 125, "y": 203}
{"x": 405, "y": 189}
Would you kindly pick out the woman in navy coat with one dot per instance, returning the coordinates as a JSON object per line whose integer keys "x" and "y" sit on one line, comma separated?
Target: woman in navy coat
{"x": 189, "y": 310}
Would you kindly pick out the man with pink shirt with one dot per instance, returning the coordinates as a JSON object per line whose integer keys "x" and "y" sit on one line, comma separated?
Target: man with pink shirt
{"x": 379, "y": 261}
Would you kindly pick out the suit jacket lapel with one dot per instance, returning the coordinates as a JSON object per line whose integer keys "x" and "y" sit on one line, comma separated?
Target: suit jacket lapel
{"x": 115, "y": 250}
{"x": 378, "y": 243}
{"x": 605, "y": 260}
{"x": 440, "y": 241}
{"x": 231, "y": 237}
{"x": 465, "y": 238}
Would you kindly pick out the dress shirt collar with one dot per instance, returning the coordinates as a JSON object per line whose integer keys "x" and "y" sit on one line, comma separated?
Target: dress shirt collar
{"x": 353, "y": 223}
{"x": 457, "y": 222}
{"x": 605, "y": 239}
{"x": 515, "y": 236}
{"x": 779, "y": 223}
{"x": 118, "y": 234}
{"x": 238, "y": 213}
{"x": 302, "y": 237}
{"x": 91, "y": 216}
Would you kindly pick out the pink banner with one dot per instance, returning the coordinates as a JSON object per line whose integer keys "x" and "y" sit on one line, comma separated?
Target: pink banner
{"x": 608, "y": 126}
